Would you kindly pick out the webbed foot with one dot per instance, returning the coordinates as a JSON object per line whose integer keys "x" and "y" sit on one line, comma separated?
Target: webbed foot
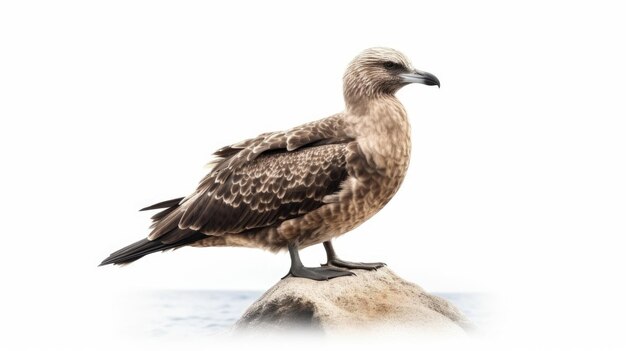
{"x": 318, "y": 273}
{"x": 297, "y": 269}
{"x": 336, "y": 262}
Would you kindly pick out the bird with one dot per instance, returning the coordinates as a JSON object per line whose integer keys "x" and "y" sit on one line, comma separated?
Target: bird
{"x": 303, "y": 186}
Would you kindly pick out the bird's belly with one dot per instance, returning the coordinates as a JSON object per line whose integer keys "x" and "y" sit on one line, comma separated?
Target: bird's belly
{"x": 366, "y": 197}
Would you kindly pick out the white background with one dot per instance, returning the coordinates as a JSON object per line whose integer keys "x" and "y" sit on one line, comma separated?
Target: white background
{"x": 516, "y": 185}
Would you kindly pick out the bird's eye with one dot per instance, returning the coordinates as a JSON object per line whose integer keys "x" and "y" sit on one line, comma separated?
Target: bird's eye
{"x": 390, "y": 65}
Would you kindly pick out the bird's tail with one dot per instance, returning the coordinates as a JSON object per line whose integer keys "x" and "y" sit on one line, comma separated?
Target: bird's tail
{"x": 144, "y": 247}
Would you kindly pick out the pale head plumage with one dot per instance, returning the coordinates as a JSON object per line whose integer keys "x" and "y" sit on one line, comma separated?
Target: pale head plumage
{"x": 380, "y": 71}
{"x": 376, "y": 71}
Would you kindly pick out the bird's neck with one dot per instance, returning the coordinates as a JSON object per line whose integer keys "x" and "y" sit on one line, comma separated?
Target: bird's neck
{"x": 379, "y": 115}
{"x": 381, "y": 127}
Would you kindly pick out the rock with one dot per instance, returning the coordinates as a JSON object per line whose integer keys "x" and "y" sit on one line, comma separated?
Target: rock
{"x": 372, "y": 300}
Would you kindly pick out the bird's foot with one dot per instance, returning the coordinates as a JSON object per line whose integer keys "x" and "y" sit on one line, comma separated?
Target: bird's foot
{"x": 318, "y": 273}
{"x": 335, "y": 262}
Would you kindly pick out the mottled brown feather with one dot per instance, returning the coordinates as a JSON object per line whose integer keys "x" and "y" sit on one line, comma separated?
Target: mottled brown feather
{"x": 260, "y": 193}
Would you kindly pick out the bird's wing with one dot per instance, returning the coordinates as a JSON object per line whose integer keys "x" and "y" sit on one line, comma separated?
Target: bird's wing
{"x": 328, "y": 130}
{"x": 261, "y": 182}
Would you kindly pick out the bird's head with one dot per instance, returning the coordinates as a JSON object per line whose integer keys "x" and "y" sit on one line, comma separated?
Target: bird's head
{"x": 381, "y": 71}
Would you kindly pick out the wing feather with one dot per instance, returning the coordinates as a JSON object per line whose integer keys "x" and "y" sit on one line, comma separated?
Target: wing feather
{"x": 268, "y": 196}
{"x": 261, "y": 182}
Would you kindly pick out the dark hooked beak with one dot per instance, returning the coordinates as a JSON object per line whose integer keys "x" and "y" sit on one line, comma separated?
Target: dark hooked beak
{"x": 420, "y": 77}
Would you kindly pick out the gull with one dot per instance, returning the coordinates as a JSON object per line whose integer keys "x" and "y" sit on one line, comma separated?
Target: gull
{"x": 303, "y": 186}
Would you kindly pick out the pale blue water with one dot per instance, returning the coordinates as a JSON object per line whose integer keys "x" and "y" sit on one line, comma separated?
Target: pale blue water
{"x": 207, "y": 312}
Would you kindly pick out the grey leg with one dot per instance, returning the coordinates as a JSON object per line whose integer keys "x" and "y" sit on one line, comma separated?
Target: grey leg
{"x": 334, "y": 261}
{"x": 297, "y": 269}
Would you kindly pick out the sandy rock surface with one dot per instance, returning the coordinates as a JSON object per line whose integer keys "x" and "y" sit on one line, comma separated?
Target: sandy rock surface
{"x": 377, "y": 301}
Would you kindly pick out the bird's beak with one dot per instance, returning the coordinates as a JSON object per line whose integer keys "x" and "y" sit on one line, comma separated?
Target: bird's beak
{"x": 420, "y": 77}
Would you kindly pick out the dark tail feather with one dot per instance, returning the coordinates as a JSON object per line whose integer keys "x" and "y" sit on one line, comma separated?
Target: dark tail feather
{"x": 161, "y": 214}
{"x": 144, "y": 247}
{"x": 164, "y": 204}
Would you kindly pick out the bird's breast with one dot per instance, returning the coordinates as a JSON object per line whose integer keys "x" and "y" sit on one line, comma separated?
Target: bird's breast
{"x": 380, "y": 170}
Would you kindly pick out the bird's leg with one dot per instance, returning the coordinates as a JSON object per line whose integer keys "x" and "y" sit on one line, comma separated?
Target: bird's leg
{"x": 316, "y": 273}
{"x": 334, "y": 261}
